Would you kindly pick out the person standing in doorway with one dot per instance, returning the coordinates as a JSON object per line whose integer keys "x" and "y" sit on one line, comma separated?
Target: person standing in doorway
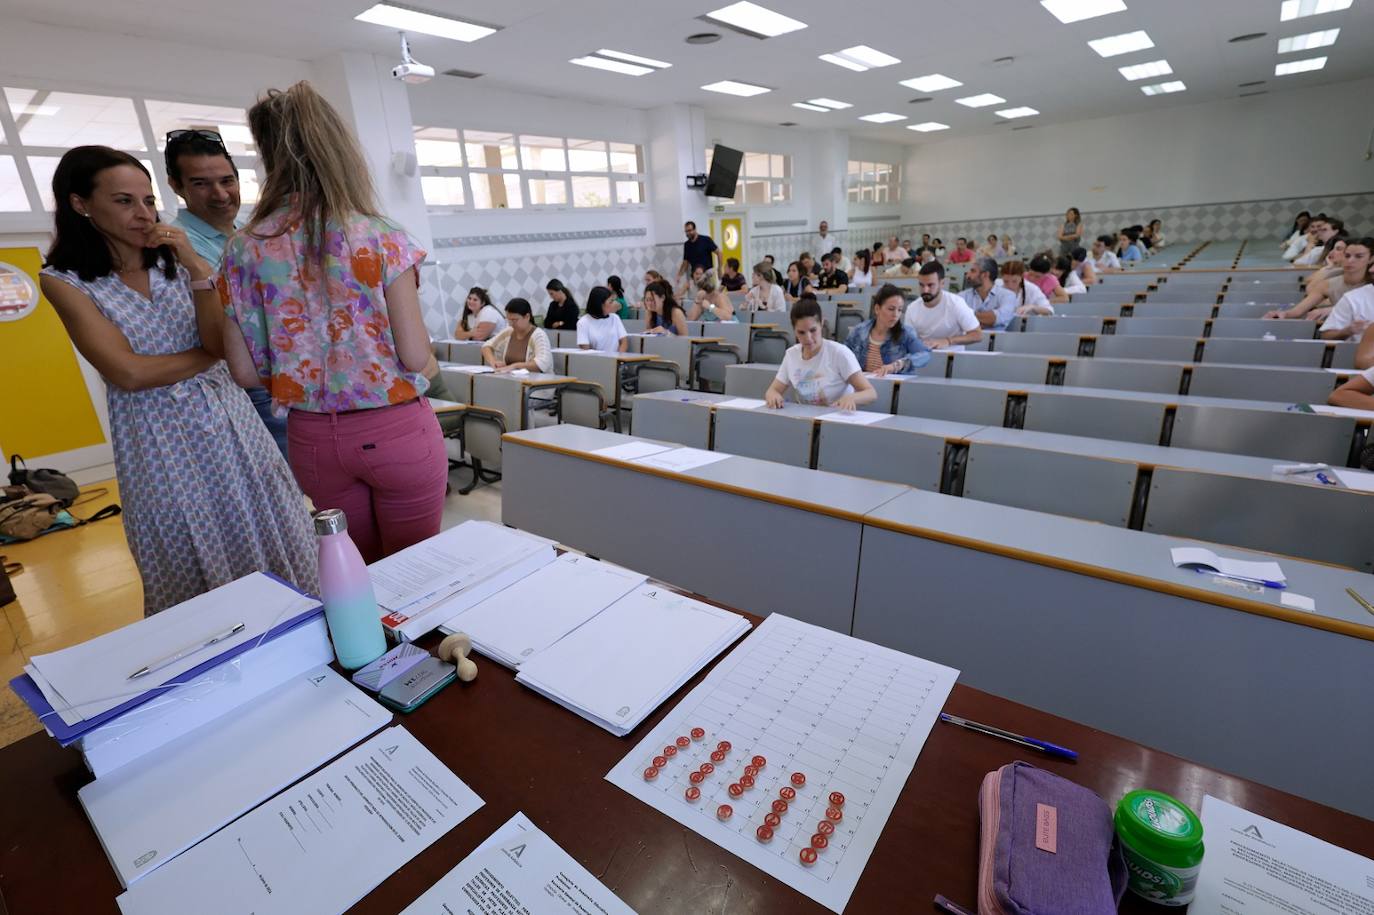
{"x": 697, "y": 251}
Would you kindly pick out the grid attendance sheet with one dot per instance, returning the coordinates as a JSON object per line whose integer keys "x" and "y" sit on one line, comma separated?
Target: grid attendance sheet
{"x": 792, "y": 751}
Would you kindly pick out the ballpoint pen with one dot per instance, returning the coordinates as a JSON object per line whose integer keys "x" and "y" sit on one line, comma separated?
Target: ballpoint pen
{"x": 1043, "y": 746}
{"x": 1363, "y": 603}
{"x": 188, "y": 650}
{"x": 1254, "y": 581}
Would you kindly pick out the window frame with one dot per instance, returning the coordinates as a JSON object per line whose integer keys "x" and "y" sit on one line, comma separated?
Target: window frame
{"x": 865, "y": 181}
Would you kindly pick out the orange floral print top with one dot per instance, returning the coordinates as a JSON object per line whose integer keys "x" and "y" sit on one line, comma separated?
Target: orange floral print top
{"x": 319, "y": 333}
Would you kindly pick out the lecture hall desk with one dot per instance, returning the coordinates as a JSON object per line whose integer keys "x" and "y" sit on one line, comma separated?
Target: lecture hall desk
{"x": 521, "y": 752}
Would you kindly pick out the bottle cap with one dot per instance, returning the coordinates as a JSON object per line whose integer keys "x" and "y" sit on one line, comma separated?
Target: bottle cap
{"x": 330, "y": 521}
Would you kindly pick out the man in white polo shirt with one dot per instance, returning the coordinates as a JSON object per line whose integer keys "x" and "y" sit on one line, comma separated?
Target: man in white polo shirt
{"x": 1102, "y": 257}
{"x": 939, "y": 319}
{"x": 823, "y": 242}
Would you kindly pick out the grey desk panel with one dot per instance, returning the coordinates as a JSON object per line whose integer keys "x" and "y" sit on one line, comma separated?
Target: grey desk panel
{"x": 1284, "y": 436}
{"x": 675, "y": 416}
{"x": 1095, "y": 415}
{"x": 459, "y": 352}
{"x": 1162, "y": 327}
{"x": 1294, "y": 353}
{"x": 1172, "y": 310}
{"x": 457, "y": 384}
{"x": 749, "y": 379}
{"x": 1039, "y": 344}
{"x": 968, "y": 403}
{"x": 1257, "y": 328}
{"x": 1321, "y": 523}
{"x": 1250, "y": 310}
{"x": 1276, "y": 383}
{"x": 1159, "y": 349}
{"x": 508, "y": 393}
{"x": 938, "y": 366}
{"x": 678, "y": 350}
{"x": 987, "y": 614}
{"x": 1170, "y": 293}
{"x": 769, "y": 435}
{"x": 886, "y": 390}
{"x": 900, "y": 449}
{"x": 1343, "y": 355}
{"x": 1077, "y": 485}
{"x": 1063, "y": 325}
{"x": 1125, "y": 375}
{"x": 733, "y": 333}
{"x": 1094, "y": 307}
{"x": 1014, "y": 367}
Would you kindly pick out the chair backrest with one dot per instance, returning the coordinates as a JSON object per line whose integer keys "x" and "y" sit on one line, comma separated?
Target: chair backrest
{"x": 482, "y": 431}
{"x": 710, "y": 363}
{"x": 846, "y": 320}
{"x": 769, "y": 346}
{"x": 656, "y": 376}
{"x": 581, "y": 404}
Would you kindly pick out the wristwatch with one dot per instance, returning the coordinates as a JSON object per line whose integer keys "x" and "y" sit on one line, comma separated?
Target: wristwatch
{"x": 203, "y": 285}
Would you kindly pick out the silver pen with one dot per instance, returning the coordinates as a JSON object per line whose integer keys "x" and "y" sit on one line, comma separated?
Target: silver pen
{"x": 188, "y": 650}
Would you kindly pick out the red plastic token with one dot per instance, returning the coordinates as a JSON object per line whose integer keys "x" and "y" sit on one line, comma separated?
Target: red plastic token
{"x": 724, "y": 746}
{"x": 736, "y": 789}
{"x": 779, "y": 807}
{"x": 771, "y": 820}
{"x": 718, "y": 756}
{"x": 747, "y": 780}
{"x": 787, "y": 792}
{"x": 819, "y": 841}
{"x": 751, "y": 771}
{"x": 698, "y": 733}
{"x": 650, "y": 774}
{"x": 825, "y": 827}
{"x": 696, "y": 778}
{"x": 759, "y": 762}
{"x": 798, "y": 779}
{"x": 683, "y": 743}
{"x": 836, "y": 799}
{"x": 670, "y": 751}
{"x": 833, "y": 813}
{"x": 724, "y": 812}
{"x": 707, "y": 768}
{"x": 660, "y": 761}
{"x": 692, "y": 793}
{"x": 765, "y": 833}
{"x": 808, "y": 856}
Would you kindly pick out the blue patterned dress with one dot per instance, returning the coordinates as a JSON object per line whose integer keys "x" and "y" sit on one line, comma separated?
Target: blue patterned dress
{"x": 207, "y": 496}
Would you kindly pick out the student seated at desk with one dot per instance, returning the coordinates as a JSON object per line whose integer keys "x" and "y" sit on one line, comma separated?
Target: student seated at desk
{"x": 562, "y": 311}
{"x": 665, "y": 314}
{"x": 765, "y": 295}
{"x": 711, "y": 302}
{"x": 600, "y": 328}
{"x": 821, "y": 372}
{"x": 942, "y": 319}
{"x": 1353, "y": 314}
{"x": 480, "y": 318}
{"x": 1324, "y": 293}
{"x": 521, "y": 345}
{"x": 884, "y": 345}
{"x": 1040, "y": 272}
{"x": 1066, "y": 275}
{"x": 619, "y": 302}
{"x": 1029, "y": 299}
{"x": 797, "y": 283}
{"x": 832, "y": 278}
{"x": 731, "y": 278}
{"x": 1355, "y": 394}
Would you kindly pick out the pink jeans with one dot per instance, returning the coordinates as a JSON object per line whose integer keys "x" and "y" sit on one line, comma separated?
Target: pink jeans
{"x": 386, "y": 468}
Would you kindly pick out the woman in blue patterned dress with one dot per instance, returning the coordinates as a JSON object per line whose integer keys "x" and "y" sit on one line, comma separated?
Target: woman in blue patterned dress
{"x": 208, "y": 498}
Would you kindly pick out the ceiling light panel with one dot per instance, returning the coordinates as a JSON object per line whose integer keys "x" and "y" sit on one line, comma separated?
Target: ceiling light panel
{"x": 1147, "y": 71}
{"x": 809, "y": 107}
{"x": 614, "y": 66}
{"x": 861, "y": 57}
{"x": 980, "y": 101}
{"x": 635, "y": 59}
{"x": 735, "y": 87}
{"x": 934, "y": 82}
{"x": 928, "y": 126}
{"x": 1297, "y": 9}
{"x": 845, "y": 62}
{"x": 883, "y": 117}
{"x": 756, "y": 20}
{"x": 1011, "y": 113}
{"x": 1164, "y": 88}
{"x": 1113, "y": 45}
{"x": 1309, "y": 42}
{"x": 409, "y": 20}
{"x": 1306, "y": 65}
{"x": 829, "y": 103}
{"x": 1067, "y": 11}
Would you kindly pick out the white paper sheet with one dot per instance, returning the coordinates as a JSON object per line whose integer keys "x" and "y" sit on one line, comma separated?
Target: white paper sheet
{"x": 1235, "y": 568}
{"x": 1362, "y": 480}
{"x": 1343, "y": 371}
{"x": 1254, "y": 865}
{"x": 627, "y": 660}
{"x": 1298, "y": 601}
{"x": 680, "y": 460}
{"x": 469, "y": 369}
{"x": 629, "y": 451}
{"x": 535, "y": 612}
{"x": 321, "y": 845}
{"x": 1341, "y": 411}
{"x": 982, "y": 352}
{"x": 518, "y": 870}
{"x": 740, "y": 403}
{"x": 854, "y": 417}
{"x": 93, "y": 677}
{"x": 850, "y": 716}
{"x": 152, "y": 810}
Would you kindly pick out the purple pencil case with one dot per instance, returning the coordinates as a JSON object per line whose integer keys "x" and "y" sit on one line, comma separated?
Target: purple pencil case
{"x": 1047, "y": 846}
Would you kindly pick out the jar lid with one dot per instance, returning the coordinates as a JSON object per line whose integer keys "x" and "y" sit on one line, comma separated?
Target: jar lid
{"x": 330, "y": 521}
{"x": 1153, "y": 818}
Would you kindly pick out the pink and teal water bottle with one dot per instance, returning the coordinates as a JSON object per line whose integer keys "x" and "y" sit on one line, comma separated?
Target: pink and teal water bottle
{"x": 355, "y": 624}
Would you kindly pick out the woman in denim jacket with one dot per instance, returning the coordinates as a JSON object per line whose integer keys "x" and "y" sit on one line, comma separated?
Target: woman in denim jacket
{"x": 884, "y": 344}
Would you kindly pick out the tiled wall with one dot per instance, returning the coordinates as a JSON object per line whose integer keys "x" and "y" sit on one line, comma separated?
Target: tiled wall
{"x": 1245, "y": 219}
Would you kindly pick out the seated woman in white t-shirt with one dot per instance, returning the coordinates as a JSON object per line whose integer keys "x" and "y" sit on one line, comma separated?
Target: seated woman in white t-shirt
{"x": 1029, "y": 297}
{"x": 521, "y": 345}
{"x": 712, "y": 302}
{"x": 820, "y": 372}
{"x": 481, "y": 320}
{"x": 862, "y": 274}
{"x": 600, "y": 328}
{"x": 764, "y": 295}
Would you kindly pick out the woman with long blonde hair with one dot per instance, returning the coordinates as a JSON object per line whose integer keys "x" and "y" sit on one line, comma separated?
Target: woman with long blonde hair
{"x": 322, "y": 294}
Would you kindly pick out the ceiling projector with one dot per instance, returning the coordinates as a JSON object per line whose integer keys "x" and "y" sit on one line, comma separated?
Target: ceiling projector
{"x": 410, "y": 70}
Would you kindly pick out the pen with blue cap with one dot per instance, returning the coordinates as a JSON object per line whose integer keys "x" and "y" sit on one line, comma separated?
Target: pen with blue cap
{"x": 1043, "y": 746}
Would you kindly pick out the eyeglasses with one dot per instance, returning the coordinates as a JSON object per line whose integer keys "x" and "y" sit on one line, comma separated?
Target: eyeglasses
{"x": 177, "y": 136}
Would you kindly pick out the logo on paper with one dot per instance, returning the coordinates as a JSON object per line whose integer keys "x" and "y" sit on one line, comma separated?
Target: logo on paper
{"x": 145, "y": 858}
{"x": 624, "y": 710}
{"x": 1252, "y": 831}
{"x": 517, "y": 851}
{"x": 317, "y": 680}
{"x": 391, "y": 750}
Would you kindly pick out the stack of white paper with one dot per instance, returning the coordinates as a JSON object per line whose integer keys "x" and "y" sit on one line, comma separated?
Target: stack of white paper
{"x": 681, "y": 460}
{"x": 623, "y": 663}
{"x": 1240, "y": 569}
{"x": 512, "y": 626}
{"x": 740, "y": 403}
{"x": 434, "y": 580}
{"x": 148, "y": 812}
{"x": 469, "y": 369}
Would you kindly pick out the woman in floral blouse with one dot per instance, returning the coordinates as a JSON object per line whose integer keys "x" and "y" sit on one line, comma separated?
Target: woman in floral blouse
{"x": 325, "y": 293}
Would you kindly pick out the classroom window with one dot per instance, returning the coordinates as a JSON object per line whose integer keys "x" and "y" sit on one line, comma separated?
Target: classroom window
{"x": 873, "y": 182}
{"x": 66, "y": 119}
{"x": 764, "y": 178}
{"x": 488, "y": 170}
{"x": 13, "y": 198}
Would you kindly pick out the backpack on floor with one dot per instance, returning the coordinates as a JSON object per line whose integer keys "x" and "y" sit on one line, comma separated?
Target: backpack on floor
{"x": 53, "y": 482}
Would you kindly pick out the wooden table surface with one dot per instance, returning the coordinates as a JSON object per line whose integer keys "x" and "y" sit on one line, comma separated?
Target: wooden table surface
{"x": 521, "y": 752}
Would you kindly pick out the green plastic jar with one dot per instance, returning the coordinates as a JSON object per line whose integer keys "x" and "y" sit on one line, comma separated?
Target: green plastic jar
{"x": 1162, "y": 841}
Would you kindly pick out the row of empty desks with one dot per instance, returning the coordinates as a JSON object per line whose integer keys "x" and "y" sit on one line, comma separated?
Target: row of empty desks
{"x": 1310, "y": 354}
{"x": 987, "y": 587}
{"x": 506, "y": 392}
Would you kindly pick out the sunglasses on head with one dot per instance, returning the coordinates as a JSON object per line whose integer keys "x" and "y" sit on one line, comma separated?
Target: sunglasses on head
{"x": 176, "y": 136}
